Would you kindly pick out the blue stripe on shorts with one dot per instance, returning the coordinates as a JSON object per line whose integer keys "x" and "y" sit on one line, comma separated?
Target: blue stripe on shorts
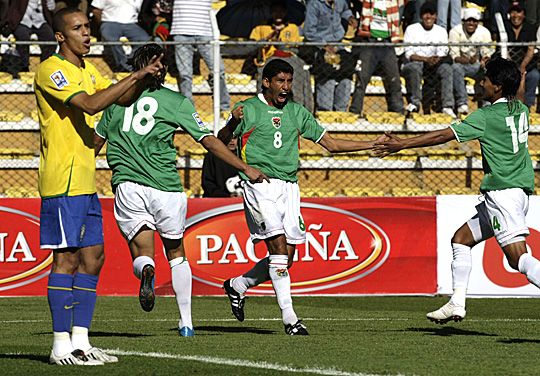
{"x": 71, "y": 222}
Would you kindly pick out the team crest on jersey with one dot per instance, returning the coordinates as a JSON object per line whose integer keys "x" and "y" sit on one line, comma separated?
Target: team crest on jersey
{"x": 198, "y": 120}
{"x": 58, "y": 79}
{"x": 276, "y": 122}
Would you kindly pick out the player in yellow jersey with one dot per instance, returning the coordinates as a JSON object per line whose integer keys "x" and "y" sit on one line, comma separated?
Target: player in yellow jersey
{"x": 69, "y": 92}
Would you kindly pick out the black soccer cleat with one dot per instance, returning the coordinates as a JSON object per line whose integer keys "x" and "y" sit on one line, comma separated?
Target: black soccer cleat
{"x": 297, "y": 329}
{"x": 237, "y": 300}
{"x": 147, "y": 296}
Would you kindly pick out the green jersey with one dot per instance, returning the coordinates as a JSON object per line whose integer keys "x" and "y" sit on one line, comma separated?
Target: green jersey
{"x": 503, "y": 137}
{"x": 140, "y": 138}
{"x": 269, "y": 136}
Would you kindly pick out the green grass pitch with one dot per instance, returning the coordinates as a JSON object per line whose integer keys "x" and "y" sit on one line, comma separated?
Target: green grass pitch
{"x": 348, "y": 336}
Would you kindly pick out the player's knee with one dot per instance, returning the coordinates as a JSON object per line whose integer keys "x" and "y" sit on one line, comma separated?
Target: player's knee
{"x": 463, "y": 238}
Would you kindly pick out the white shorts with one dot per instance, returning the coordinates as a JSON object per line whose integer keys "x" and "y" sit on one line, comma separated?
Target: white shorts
{"x": 501, "y": 214}
{"x": 272, "y": 209}
{"x": 137, "y": 205}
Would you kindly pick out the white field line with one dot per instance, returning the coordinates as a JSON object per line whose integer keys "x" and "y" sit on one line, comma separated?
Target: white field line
{"x": 312, "y": 319}
{"x": 239, "y": 363}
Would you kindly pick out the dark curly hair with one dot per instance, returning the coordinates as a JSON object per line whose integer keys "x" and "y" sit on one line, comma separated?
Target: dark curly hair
{"x": 142, "y": 57}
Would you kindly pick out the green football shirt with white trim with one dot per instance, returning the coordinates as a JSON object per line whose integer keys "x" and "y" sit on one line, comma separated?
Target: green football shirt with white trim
{"x": 269, "y": 136}
{"x": 502, "y": 130}
{"x": 140, "y": 145}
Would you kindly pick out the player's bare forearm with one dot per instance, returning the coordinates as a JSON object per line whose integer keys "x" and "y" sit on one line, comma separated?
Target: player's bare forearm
{"x": 336, "y": 145}
{"x": 393, "y": 144}
{"x": 221, "y": 151}
{"x": 98, "y": 143}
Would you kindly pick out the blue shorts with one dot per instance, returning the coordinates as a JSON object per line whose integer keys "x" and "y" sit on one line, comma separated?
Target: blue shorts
{"x": 71, "y": 222}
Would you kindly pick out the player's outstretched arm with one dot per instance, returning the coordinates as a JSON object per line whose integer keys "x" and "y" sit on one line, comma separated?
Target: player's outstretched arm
{"x": 128, "y": 89}
{"x": 225, "y": 134}
{"x": 337, "y": 145}
{"x": 218, "y": 148}
{"x": 393, "y": 144}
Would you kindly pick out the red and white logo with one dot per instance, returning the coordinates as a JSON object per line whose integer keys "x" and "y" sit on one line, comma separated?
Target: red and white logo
{"x": 21, "y": 259}
{"x": 341, "y": 248}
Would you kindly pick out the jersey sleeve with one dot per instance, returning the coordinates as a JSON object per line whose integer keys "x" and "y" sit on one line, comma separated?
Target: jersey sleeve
{"x": 309, "y": 127}
{"x": 190, "y": 121}
{"x": 471, "y": 128}
{"x": 59, "y": 83}
{"x": 103, "y": 125}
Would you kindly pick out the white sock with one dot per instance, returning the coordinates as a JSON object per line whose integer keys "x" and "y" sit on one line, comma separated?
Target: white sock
{"x": 79, "y": 338}
{"x": 257, "y": 275}
{"x": 181, "y": 283}
{"x": 461, "y": 269}
{"x": 62, "y": 343}
{"x": 139, "y": 263}
{"x": 530, "y": 266}
{"x": 277, "y": 268}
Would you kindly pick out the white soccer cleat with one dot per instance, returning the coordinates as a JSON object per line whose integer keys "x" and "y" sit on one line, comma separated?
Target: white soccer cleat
{"x": 99, "y": 355}
{"x": 448, "y": 312}
{"x": 74, "y": 358}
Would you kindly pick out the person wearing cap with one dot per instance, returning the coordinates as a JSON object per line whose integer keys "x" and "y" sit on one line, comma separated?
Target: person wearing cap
{"x": 468, "y": 58}
{"x": 427, "y": 60}
{"x": 518, "y": 30}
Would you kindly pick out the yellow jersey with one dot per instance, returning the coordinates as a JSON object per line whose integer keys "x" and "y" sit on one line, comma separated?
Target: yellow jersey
{"x": 67, "y": 164}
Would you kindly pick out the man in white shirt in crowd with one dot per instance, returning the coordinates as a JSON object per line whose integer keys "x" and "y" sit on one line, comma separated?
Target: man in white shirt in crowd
{"x": 118, "y": 18}
{"x": 468, "y": 59}
{"x": 191, "y": 24}
{"x": 427, "y": 60}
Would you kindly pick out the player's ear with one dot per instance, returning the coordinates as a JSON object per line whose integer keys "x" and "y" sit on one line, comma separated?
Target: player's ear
{"x": 59, "y": 36}
{"x": 266, "y": 82}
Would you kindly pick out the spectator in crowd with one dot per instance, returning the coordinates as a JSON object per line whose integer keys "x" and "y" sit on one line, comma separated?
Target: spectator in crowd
{"x": 69, "y": 92}
{"x": 220, "y": 179}
{"x": 379, "y": 24}
{"x": 518, "y": 30}
{"x": 442, "y": 13}
{"x": 428, "y": 61}
{"x": 155, "y": 18}
{"x": 24, "y": 18}
{"x": 333, "y": 66}
{"x": 118, "y": 19}
{"x": 278, "y": 29}
{"x": 532, "y": 12}
{"x": 191, "y": 27}
{"x": 469, "y": 60}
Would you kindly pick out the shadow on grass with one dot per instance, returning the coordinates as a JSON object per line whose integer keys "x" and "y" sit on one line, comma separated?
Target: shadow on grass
{"x": 230, "y": 329}
{"x": 93, "y": 334}
{"x": 518, "y": 340}
{"x": 33, "y": 357}
{"x": 447, "y": 331}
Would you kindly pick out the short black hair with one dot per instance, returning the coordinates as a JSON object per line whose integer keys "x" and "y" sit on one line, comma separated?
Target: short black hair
{"x": 141, "y": 58}
{"x": 275, "y": 67}
{"x": 59, "y": 18}
{"x": 428, "y": 7}
{"x": 505, "y": 73}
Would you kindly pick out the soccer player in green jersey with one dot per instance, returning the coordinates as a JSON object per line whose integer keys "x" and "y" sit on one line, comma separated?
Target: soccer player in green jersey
{"x": 502, "y": 130}
{"x": 148, "y": 193}
{"x": 268, "y": 127}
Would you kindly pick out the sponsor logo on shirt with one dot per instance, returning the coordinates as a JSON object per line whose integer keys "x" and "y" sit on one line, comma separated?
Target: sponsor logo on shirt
{"x": 58, "y": 79}
{"x": 276, "y": 122}
{"x": 198, "y": 120}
